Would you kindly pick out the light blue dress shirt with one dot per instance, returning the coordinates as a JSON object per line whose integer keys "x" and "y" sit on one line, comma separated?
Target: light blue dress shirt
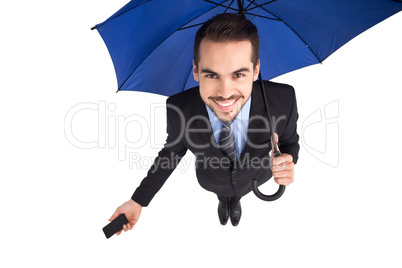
{"x": 239, "y": 126}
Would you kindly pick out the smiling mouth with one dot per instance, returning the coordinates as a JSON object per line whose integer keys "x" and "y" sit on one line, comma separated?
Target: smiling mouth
{"x": 226, "y": 105}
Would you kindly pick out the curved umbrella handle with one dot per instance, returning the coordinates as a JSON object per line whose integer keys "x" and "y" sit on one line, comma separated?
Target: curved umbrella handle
{"x": 264, "y": 197}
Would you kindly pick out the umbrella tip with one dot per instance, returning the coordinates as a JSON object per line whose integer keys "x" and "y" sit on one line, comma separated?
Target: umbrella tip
{"x": 93, "y": 28}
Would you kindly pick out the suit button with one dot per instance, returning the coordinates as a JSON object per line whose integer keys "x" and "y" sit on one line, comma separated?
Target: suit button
{"x": 234, "y": 182}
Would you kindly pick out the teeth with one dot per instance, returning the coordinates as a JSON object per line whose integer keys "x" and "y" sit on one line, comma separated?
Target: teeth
{"x": 225, "y": 104}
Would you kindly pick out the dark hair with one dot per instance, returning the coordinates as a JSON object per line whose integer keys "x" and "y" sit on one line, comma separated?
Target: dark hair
{"x": 228, "y": 27}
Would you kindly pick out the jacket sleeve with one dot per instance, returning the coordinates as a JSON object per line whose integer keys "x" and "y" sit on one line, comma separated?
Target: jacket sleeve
{"x": 166, "y": 161}
{"x": 289, "y": 140}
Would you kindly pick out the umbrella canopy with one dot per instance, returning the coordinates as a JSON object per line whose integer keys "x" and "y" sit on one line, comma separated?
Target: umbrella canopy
{"x": 151, "y": 42}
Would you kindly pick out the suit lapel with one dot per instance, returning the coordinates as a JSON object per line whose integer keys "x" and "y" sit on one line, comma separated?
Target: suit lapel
{"x": 256, "y": 111}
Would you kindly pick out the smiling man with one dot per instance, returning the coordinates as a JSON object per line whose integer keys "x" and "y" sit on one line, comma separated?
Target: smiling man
{"x": 224, "y": 123}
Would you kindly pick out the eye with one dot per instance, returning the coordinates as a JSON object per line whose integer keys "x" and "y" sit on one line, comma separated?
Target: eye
{"x": 238, "y": 75}
{"x": 211, "y": 76}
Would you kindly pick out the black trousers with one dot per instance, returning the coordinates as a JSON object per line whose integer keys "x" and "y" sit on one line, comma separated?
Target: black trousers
{"x": 226, "y": 199}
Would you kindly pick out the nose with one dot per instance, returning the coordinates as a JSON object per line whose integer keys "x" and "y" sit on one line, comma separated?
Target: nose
{"x": 225, "y": 88}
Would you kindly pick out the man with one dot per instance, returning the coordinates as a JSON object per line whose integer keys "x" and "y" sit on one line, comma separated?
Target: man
{"x": 224, "y": 123}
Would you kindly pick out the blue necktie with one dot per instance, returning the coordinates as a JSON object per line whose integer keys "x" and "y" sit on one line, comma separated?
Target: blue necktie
{"x": 227, "y": 141}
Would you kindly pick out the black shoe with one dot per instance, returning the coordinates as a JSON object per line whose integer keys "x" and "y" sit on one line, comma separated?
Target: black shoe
{"x": 223, "y": 210}
{"x": 235, "y": 211}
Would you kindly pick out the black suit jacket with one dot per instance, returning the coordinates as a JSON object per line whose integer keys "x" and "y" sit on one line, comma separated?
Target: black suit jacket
{"x": 189, "y": 128}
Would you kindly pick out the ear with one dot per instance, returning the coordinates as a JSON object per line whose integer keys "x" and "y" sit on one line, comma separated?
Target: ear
{"x": 195, "y": 72}
{"x": 257, "y": 70}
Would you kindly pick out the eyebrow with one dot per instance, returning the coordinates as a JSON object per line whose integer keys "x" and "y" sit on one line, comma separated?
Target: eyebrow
{"x": 208, "y": 71}
{"x": 235, "y": 72}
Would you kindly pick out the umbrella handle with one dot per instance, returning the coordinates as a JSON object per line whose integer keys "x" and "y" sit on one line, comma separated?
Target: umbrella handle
{"x": 264, "y": 197}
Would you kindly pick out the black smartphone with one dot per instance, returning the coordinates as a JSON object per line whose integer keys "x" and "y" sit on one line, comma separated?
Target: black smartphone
{"x": 115, "y": 225}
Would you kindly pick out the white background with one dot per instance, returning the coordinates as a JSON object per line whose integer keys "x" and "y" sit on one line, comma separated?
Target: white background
{"x": 56, "y": 198}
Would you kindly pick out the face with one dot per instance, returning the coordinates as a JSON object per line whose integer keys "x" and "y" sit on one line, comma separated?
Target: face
{"x": 225, "y": 74}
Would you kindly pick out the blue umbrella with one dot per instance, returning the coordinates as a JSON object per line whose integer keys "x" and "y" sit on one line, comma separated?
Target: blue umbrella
{"x": 150, "y": 39}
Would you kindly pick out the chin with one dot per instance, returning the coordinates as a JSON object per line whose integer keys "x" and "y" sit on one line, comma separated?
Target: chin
{"x": 226, "y": 117}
